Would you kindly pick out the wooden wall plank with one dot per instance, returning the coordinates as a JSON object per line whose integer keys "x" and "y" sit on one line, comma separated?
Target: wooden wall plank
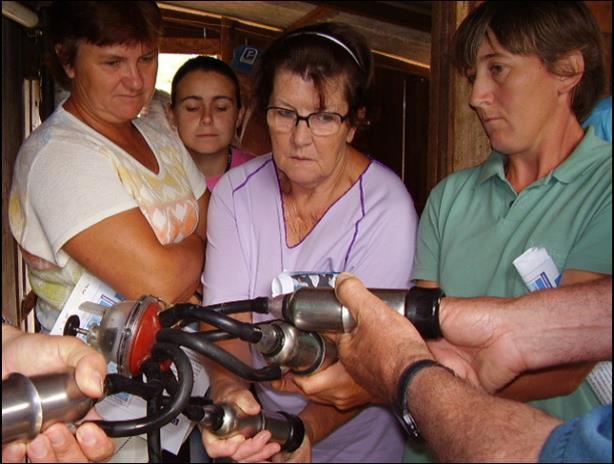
{"x": 441, "y": 134}
{"x": 13, "y": 46}
{"x": 603, "y": 13}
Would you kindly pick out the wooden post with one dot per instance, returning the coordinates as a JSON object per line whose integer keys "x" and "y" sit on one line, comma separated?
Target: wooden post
{"x": 13, "y": 44}
{"x": 456, "y": 139}
{"x": 226, "y": 39}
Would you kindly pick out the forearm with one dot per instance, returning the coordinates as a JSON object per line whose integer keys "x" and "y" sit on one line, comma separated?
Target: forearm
{"x": 321, "y": 420}
{"x": 546, "y": 328}
{"x": 124, "y": 251}
{"x": 171, "y": 272}
{"x": 176, "y": 275}
{"x": 546, "y": 383}
{"x": 9, "y": 333}
{"x": 463, "y": 424}
{"x": 574, "y": 325}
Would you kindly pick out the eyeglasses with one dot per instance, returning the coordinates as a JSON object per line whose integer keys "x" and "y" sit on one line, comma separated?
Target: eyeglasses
{"x": 321, "y": 123}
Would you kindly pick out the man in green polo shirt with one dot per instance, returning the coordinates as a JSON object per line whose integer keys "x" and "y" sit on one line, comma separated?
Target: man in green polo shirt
{"x": 475, "y": 224}
{"x": 547, "y": 184}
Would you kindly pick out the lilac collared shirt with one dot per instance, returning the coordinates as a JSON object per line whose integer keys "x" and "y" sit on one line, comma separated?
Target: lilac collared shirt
{"x": 370, "y": 231}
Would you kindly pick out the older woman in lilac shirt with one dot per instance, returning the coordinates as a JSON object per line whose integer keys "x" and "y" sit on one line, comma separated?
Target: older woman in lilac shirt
{"x": 315, "y": 204}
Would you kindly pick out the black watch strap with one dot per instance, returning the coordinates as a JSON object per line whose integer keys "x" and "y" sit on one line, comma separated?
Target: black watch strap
{"x": 422, "y": 309}
{"x": 401, "y": 408}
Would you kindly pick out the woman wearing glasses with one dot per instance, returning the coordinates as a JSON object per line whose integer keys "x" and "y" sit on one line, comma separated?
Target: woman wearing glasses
{"x": 315, "y": 204}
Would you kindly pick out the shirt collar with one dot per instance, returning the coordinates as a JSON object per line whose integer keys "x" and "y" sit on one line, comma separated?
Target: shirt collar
{"x": 588, "y": 151}
{"x": 494, "y": 166}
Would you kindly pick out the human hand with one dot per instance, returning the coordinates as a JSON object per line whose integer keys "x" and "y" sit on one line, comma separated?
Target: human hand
{"x": 331, "y": 386}
{"x": 381, "y": 344}
{"x": 58, "y": 444}
{"x": 301, "y": 454}
{"x": 38, "y": 354}
{"x": 459, "y": 360}
{"x": 239, "y": 448}
{"x": 479, "y": 343}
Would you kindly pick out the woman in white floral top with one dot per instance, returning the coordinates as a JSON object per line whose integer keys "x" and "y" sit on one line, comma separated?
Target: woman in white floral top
{"x": 95, "y": 188}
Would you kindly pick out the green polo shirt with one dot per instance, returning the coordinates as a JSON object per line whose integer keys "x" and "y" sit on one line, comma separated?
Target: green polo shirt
{"x": 475, "y": 224}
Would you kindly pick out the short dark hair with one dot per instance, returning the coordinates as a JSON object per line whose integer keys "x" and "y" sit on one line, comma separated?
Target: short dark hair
{"x": 208, "y": 64}
{"x": 320, "y": 52}
{"x": 549, "y": 30}
{"x": 100, "y": 23}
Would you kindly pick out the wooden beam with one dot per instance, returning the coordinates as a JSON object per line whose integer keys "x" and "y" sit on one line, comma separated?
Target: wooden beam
{"x": 399, "y": 63}
{"x": 316, "y": 15}
{"x": 188, "y": 26}
{"x": 192, "y": 45}
{"x": 196, "y": 12}
{"x": 383, "y": 11}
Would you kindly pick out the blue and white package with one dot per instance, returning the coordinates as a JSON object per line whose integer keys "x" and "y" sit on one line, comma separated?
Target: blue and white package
{"x": 287, "y": 282}
{"x": 537, "y": 269}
